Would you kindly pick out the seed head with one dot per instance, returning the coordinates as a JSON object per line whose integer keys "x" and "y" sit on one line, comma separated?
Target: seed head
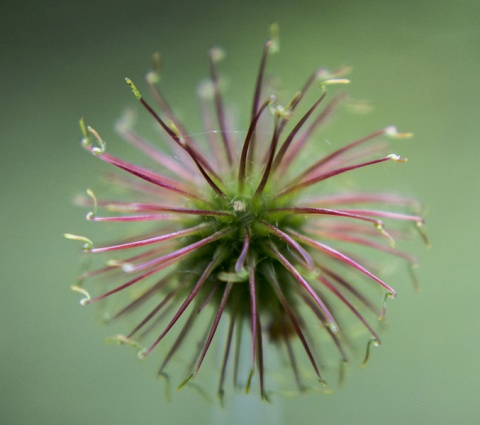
{"x": 245, "y": 231}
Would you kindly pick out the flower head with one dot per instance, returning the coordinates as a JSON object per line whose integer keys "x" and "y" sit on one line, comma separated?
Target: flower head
{"x": 242, "y": 232}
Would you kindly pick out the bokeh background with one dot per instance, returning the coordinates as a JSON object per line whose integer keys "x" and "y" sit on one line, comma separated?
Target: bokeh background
{"x": 416, "y": 62}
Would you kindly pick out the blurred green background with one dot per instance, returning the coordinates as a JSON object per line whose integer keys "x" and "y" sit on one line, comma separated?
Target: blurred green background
{"x": 416, "y": 61}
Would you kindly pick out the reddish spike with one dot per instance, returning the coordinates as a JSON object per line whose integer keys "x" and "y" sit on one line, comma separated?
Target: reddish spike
{"x": 286, "y": 238}
{"x": 293, "y": 133}
{"x": 179, "y": 339}
{"x": 197, "y": 158}
{"x": 337, "y": 153}
{"x": 256, "y": 97}
{"x": 152, "y": 152}
{"x": 350, "y": 288}
{"x": 300, "y": 279}
{"x": 388, "y": 214}
{"x": 263, "y": 393}
{"x": 268, "y": 168}
{"x": 350, "y": 306}
{"x": 220, "y": 109}
{"x": 125, "y": 285}
{"x": 213, "y": 329}
{"x": 246, "y": 144}
{"x": 365, "y": 198}
{"x": 206, "y": 273}
{"x": 293, "y": 320}
{"x": 226, "y": 354}
{"x": 143, "y": 217}
{"x": 175, "y": 137}
{"x": 178, "y": 254}
{"x": 326, "y": 211}
{"x": 156, "y": 239}
{"x": 243, "y": 254}
{"x": 238, "y": 339}
{"x": 150, "y": 315}
{"x": 117, "y": 266}
{"x": 137, "y": 302}
{"x": 342, "y": 257}
{"x": 320, "y": 315}
{"x": 306, "y": 183}
{"x": 147, "y": 175}
{"x": 298, "y": 97}
{"x": 306, "y": 135}
{"x": 141, "y": 187}
{"x": 253, "y": 319}
{"x": 260, "y": 75}
{"x": 167, "y": 110}
{"x": 341, "y": 236}
{"x": 152, "y": 207}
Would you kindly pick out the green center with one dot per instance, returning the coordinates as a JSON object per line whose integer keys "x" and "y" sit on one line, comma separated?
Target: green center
{"x": 249, "y": 214}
